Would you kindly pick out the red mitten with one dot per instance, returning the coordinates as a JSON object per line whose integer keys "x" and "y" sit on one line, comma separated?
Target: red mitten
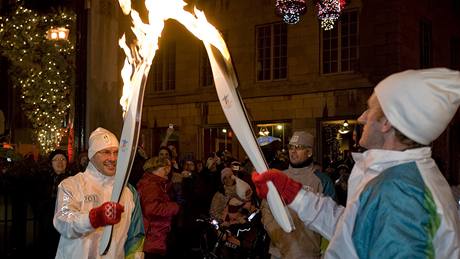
{"x": 286, "y": 187}
{"x": 108, "y": 213}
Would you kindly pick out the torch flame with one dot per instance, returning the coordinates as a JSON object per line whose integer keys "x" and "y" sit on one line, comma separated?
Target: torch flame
{"x": 125, "y": 6}
{"x": 140, "y": 56}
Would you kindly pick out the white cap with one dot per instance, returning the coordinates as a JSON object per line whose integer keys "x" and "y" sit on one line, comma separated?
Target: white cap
{"x": 420, "y": 103}
{"x": 101, "y": 139}
{"x": 226, "y": 172}
{"x": 243, "y": 190}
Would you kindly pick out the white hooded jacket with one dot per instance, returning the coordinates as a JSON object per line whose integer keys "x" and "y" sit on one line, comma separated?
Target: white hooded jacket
{"x": 338, "y": 224}
{"x": 77, "y": 195}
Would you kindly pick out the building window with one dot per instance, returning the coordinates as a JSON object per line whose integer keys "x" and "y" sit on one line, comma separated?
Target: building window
{"x": 206, "y": 78}
{"x": 455, "y": 53}
{"x": 271, "y": 51}
{"x": 163, "y": 72}
{"x": 340, "y": 45}
{"x": 425, "y": 44}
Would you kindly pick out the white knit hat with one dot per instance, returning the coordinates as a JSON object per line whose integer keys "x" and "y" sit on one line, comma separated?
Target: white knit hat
{"x": 243, "y": 190}
{"x": 101, "y": 139}
{"x": 226, "y": 172}
{"x": 420, "y": 103}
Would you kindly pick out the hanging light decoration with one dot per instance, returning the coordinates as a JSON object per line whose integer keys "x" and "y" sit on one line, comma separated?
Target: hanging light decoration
{"x": 329, "y": 12}
{"x": 290, "y": 10}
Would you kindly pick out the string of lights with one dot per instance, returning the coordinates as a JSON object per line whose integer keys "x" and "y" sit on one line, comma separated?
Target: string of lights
{"x": 43, "y": 70}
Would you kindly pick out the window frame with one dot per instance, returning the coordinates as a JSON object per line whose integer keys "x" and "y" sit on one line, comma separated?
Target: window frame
{"x": 205, "y": 70}
{"x": 340, "y": 48}
{"x": 276, "y": 71}
{"x": 165, "y": 60}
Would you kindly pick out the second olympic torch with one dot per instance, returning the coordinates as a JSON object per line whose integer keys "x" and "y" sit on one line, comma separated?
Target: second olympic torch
{"x": 226, "y": 82}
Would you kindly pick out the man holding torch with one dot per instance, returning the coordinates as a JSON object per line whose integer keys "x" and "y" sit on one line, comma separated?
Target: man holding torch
{"x": 83, "y": 207}
{"x": 399, "y": 205}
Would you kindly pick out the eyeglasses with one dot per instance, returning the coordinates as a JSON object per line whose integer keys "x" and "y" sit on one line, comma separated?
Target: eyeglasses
{"x": 108, "y": 153}
{"x": 297, "y": 147}
{"x": 58, "y": 159}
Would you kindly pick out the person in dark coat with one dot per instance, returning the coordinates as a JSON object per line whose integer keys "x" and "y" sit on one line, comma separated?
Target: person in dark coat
{"x": 157, "y": 207}
{"x": 58, "y": 171}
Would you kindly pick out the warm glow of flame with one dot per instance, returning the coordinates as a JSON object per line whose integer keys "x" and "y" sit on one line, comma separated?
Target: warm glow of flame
{"x": 141, "y": 53}
{"x": 125, "y": 6}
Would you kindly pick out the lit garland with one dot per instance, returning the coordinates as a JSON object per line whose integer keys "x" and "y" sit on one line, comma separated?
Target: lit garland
{"x": 42, "y": 69}
{"x": 329, "y": 12}
{"x": 290, "y": 10}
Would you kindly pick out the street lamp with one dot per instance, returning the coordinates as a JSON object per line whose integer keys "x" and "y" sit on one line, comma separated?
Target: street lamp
{"x": 60, "y": 33}
{"x": 344, "y": 128}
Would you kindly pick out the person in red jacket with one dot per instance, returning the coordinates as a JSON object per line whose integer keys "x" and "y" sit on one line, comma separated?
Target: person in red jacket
{"x": 157, "y": 207}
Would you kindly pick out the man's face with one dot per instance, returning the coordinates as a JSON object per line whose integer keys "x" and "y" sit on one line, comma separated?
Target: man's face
{"x": 59, "y": 163}
{"x": 299, "y": 154}
{"x": 372, "y": 136}
{"x": 105, "y": 161}
{"x": 163, "y": 154}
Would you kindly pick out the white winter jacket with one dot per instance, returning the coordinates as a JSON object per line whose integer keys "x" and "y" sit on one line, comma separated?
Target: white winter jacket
{"x": 77, "y": 195}
{"x": 399, "y": 206}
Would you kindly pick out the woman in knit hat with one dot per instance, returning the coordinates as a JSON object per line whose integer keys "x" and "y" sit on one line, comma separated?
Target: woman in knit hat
{"x": 57, "y": 172}
{"x": 157, "y": 207}
{"x": 225, "y": 192}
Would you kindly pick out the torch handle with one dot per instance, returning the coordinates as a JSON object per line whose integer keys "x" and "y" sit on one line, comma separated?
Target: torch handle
{"x": 128, "y": 147}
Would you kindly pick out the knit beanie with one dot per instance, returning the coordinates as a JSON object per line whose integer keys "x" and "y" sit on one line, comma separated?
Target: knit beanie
{"x": 225, "y": 172}
{"x": 243, "y": 190}
{"x": 420, "y": 103}
{"x": 101, "y": 139}
{"x": 57, "y": 152}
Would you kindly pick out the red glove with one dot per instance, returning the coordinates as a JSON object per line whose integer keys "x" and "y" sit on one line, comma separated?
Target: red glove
{"x": 286, "y": 187}
{"x": 108, "y": 213}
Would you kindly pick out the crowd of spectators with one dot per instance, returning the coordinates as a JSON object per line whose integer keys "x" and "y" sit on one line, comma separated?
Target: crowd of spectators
{"x": 218, "y": 186}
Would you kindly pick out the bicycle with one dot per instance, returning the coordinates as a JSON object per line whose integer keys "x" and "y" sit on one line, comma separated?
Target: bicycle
{"x": 219, "y": 241}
